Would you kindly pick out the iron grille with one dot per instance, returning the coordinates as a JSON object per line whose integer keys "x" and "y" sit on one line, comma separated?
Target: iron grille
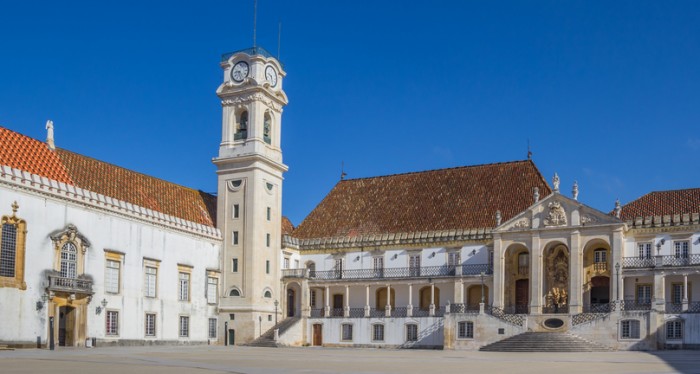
{"x": 8, "y": 249}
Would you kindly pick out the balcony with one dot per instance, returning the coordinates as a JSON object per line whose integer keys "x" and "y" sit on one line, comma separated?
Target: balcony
{"x": 600, "y": 267}
{"x": 635, "y": 305}
{"x": 658, "y": 261}
{"x": 70, "y": 285}
{"x": 391, "y": 273}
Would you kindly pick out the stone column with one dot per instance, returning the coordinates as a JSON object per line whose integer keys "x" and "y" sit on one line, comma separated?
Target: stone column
{"x": 617, "y": 249}
{"x": 305, "y": 299}
{"x": 409, "y": 308}
{"x": 535, "y": 275}
{"x": 659, "y": 302}
{"x": 575, "y": 277}
{"x": 346, "y": 307}
{"x": 498, "y": 288}
{"x": 327, "y": 308}
{"x": 685, "y": 292}
{"x": 387, "y": 310}
{"x": 459, "y": 292}
{"x": 367, "y": 301}
{"x": 432, "y": 299}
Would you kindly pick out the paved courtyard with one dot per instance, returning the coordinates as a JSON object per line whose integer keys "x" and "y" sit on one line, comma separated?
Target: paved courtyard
{"x": 216, "y": 359}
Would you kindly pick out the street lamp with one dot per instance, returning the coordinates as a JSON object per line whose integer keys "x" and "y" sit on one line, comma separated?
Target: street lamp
{"x": 617, "y": 279}
{"x": 276, "y": 304}
{"x": 260, "y": 323}
{"x": 482, "y": 287}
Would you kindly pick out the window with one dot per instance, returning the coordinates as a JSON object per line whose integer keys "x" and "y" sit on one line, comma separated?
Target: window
{"x": 269, "y": 213}
{"x": 644, "y": 250}
{"x": 346, "y": 332}
{"x": 286, "y": 262}
{"x": 378, "y": 265}
{"x": 184, "y": 294}
{"x": 12, "y": 248}
{"x": 242, "y": 129}
{"x": 235, "y": 238}
{"x": 234, "y": 292}
{"x": 269, "y": 317}
{"x": 643, "y": 294}
{"x": 234, "y": 265}
{"x": 184, "y": 326}
{"x": 630, "y": 329}
{"x": 339, "y": 262}
{"x": 465, "y": 330}
{"x": 600, "y": 256}
{"x": 267, "y": 240}
{"x": 212, "y": 287}
{"x": 150, "y": 281}
{"x": 112, "y": 276}
{"x": 296, "y": 264}
{"x": 150, "y": 324}
{"x": 267, "y": 128}
{"x": 268, "y": 294}
{"x": 678, "y": 292}
{"x": 313, "y": 299}
{"x": 378, "y": 332}
{"x": 112, "y": 323}
{"x": 674, "y": 330}
{"x": 412, "y": 332}
{"x": 212, "y": 328}
{"x": 680, "y": 249}
{"x": 414, "y": 265}
{"x": 69, "y": 260}
{"x": 236, "y": 210}
{"x": 267, "y": 267}
{"x": 454, "y": 259}
{"x": 232, "y": 316}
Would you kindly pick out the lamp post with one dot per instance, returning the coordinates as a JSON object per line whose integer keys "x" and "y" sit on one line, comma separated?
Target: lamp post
{"x": 276, "y": 304}
{"x": 260, "y": 323}
{"x": 617, "y": 279}
{"x": 226, "y": 333}
{"x": 482, "y": 287}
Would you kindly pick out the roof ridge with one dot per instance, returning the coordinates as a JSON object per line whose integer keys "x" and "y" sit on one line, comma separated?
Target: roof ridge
{"x": 442, "y": 169}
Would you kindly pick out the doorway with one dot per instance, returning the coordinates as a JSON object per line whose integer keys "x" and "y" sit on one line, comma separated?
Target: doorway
{"x": 291, "y": 312}
{"x": 66, "y": 326}
{"x": 337, "y": 305}
{"x": 474, "y": 297}
{"x": 317, "y": 336}
{"x": 231, "y": 337}
{"x": 522, "y": 290}
{"x": 600, "y": 290}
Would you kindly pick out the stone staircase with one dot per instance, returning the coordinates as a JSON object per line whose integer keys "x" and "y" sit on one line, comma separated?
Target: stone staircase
{"x": 268, "y": 338}
{"x": 544, "y": 342}
{"x": 5, "y": 348}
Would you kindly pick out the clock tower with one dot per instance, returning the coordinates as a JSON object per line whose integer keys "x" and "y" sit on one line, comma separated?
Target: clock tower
{"x": 249, "y": 207}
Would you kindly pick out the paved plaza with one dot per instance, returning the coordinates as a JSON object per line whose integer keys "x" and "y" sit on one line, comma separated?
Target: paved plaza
{"x": 217, "y": 359}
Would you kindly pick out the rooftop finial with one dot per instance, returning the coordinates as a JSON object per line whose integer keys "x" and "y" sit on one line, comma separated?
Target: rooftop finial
{"x": 536, "y": 194}
{"x": 555, "y": 182}
{"x": 529, "y": 151}
{"x": 498, "y": 218}
{"x": 343, "y": 174}
{"x": 618, "y": 208}
{"x": 49, "y": 135}
{"x": 15, "y": 206}
{"x": 255, "y": 20}
{"x": 574, "y": 191}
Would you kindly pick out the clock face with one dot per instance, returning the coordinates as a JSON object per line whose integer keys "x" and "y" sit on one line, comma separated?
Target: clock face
{"x": 240, "y": 71}
{"x": 271, "y": 75}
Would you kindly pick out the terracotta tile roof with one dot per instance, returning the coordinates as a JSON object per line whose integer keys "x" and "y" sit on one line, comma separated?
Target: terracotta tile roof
{"x": 25, "y": 153}
{"x": 660, "y": 203}
{"x": 31, "y": 155}
{"x": 445, "y": 199}
{"x": 287, "y": 226}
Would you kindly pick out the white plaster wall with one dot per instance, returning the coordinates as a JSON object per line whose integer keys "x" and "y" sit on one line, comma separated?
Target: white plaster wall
{"x": 486, "y": 331}
{"x": 429, "y": 332}
{"x": 136, "y": 239}
{"x": 606, "y": 331}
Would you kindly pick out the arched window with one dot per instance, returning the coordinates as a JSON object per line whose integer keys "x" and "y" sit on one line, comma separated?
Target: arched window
{"x": 242, "y": 129}
{"x": 267, "y": 128}
{"x": 268, "y": 294}
{"x": 69, "y": 260}
{"x": 311, "y": 266}
{"x": 234, "y": 292}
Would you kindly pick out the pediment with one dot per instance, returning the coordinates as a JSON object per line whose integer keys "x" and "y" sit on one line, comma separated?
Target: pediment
{"x": 557, "y": 211}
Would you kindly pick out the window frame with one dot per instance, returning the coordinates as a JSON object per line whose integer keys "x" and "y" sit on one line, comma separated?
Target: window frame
{"x": 19, "y": 250}
{"x": 343, "y": 336}
{"x": 111, "y": 330}
{"x": 146, "y": 327}
{"x": 184, "y": 286}
{"x": 644, "y": 250}
{"x": 234, "y": 265}
{"x": 183, "y": 318}
{"x": 234, "y": 289}
{"x": 215, "y": 285}
{"x": 628, "y": 328}
{"x": 378, "y": 329}
{"x": 676, "y": 332}
{"x": 467, "y": 332}
{"x": 681, "y": 248}
{"x": 149, "y": 264}
{"x": 213, "y": 333}
{"x": 408, "y": 332}
{"x": 113, "y": 258}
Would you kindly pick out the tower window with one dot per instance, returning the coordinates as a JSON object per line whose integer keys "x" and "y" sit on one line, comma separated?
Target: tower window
{"x": 242, "y": 128}
{"x": 236, "y": 210}
{"x": 267, "y": 128}
{"x": 267, "y": 266}
{"x": 267, "y": 240}
{"x": 269, "y": 213}
{"x": 235, "y": 238}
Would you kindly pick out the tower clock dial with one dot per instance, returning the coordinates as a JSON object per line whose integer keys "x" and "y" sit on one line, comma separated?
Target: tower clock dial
{"x": 240, "y": 71}
{"x": 271, "y": 75}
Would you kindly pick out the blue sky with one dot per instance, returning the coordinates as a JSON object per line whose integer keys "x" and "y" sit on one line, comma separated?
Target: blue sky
{"x": 606, "y": 92}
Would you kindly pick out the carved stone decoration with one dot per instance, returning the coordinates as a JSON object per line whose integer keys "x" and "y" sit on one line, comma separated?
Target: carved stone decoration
{"x": 574, "y": 190}
{"x": 70, "y": 234}
{"x": 558, "y": 279}
{"x": 587, "y": 218}
{"x": 536, "y": 194}
{"x": 521, "y": 224}
{"x": 244, "y": 99}
{"x": 556, "y": 215}
{"x": 555, "y": 182}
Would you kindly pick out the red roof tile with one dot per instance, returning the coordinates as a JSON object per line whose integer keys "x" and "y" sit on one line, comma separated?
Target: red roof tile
{"x": 661, "y": 203}
{"x": 445, "y": 199}
{"x": 24, "y": 153}
{"x": 287, "y": 226}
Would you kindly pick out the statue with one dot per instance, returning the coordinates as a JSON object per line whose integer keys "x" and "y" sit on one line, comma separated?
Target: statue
{"x": 555, "y": 182}
{"x": 574, "y": 191}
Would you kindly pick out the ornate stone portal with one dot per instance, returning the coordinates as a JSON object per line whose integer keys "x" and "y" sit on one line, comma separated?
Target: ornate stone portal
{"x": 557, "y": 266}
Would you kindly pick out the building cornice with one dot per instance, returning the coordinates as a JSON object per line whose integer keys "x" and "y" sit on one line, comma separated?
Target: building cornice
{"x": 666, "y": 223}
{"x": 48, "y": 187}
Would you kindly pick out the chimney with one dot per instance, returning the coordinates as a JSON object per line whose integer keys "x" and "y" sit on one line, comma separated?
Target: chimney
{"x": 49, "y": 135}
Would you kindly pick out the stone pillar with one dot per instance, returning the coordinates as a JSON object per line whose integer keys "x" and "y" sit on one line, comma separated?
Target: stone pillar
{"x": 432, "y": 299}
{"x": 387, "y": 310}
{"x": 685, "y": 292}
{"x": 659, "y": 302}
{"x": 575, "y": 274}
{"x": 346, "y": 307}
{"x": 535, "y": 275}
{"x": 498, "y": 288}
{"x": 409, "y": 308}
{"x": 459, "y": 292}
{"x": 305, "y": 299}
{"x": 367, "y": 301}
{"x": 617, "y": 246}
{"x": 327, "y": 308}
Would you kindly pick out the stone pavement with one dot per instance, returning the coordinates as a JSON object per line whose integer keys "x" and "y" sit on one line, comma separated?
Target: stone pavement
{"x": 217, "y": 359}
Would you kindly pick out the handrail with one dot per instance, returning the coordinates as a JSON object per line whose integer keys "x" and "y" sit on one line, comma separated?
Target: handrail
{"x": 390, "y": 273}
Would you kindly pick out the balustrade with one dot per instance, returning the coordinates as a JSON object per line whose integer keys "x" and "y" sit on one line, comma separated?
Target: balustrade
{"x": 73, "y": 285}
{"x": 634, "y": 305}
{"x": 391, "y": 273}
{"x": 650, "y": 262}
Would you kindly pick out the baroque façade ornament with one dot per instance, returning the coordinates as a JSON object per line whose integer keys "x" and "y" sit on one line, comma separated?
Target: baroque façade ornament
{"x": 556, "y": 215}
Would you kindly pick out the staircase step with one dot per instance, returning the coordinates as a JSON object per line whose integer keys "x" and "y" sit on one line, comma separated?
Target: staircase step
{"x": 268, "y": 338}
{"x": 544, "y": 342}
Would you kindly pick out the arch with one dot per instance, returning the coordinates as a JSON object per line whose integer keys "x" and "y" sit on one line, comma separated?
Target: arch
{"x": 424, "y": 297}
{"x": 597, "y": 272}
{"x": 556, "y": 261}
{"x": 474, "y": 296}
{"x": 267, "y": 127}
{"x": 292, "y": 299}
{"x": 516, "y": 293}
{"x": 234, "y": 292}
{"x": 267, "y": 293}
{"x": 381, "y": 301}
{"x": 241, "y": 126}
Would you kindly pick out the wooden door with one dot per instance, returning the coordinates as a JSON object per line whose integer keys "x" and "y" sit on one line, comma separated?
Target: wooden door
{"x": 317, "y": 336}
{"x": 291, "y": 312}
{"x": 522, "y": 291}
{"x": 231, "y": 337}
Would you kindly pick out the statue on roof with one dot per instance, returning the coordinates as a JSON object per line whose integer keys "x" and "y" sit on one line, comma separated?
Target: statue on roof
{"x": 555, "y": 182}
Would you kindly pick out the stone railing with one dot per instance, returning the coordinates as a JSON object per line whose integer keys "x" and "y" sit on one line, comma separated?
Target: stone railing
{"x": 634, "y": 305}
{"x": 391, "y": 273}
{"x": 658, "y": 261}
{"x": 70, "y": 285}
{"x": 514, "y": 319}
